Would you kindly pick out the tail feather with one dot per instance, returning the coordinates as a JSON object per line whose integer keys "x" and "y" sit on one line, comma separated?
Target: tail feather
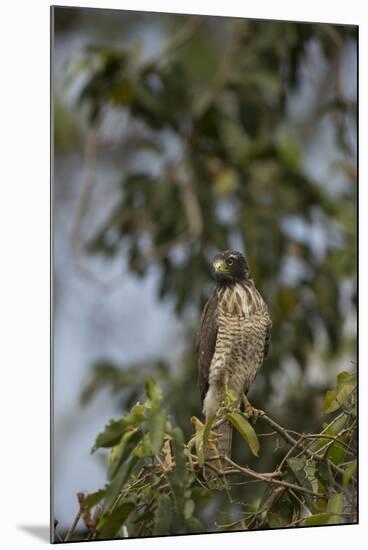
{"x": 225, "y": 432}
{"x": 222, "y": 449}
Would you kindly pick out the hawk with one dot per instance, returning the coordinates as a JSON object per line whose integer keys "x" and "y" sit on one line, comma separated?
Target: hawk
{"x": 233, "y": 338}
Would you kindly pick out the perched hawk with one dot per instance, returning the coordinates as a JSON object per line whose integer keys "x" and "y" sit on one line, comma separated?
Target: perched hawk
{"x": 233, "y": 338}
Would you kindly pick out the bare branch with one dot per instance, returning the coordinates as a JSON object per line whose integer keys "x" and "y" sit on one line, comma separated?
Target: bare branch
{"x": 178, "y": 40}
{"x": 267, "y": 477}
{"x": 73, "y": 526}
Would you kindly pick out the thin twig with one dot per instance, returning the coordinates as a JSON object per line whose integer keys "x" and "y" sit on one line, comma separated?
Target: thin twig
{"x": 302, "y": 504}
{"x": 90, "y": 157}
{"x": 179, "y": 40}
{"x": 73, "y": 526}
{"x": 332, "y": 440}
{"x": 290, "y": 451}
{"x": 269, "y": 477}
{"x": 287, "y": 437}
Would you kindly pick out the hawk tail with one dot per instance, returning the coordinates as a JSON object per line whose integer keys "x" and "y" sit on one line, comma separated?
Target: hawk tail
{"x": 223, "y": 434}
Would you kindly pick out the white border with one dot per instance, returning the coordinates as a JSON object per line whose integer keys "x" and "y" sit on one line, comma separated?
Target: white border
{"x": 24, "y": 219}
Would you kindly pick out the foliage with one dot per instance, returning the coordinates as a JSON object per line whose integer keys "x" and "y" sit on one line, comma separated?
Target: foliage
{"x": 156, "y": 484}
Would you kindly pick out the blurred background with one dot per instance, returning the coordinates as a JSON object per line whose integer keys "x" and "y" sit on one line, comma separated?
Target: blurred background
{"x": 176, "y": 137}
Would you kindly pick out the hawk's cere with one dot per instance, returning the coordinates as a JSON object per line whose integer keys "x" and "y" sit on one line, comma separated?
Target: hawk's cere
{"x": 233, "y": 338}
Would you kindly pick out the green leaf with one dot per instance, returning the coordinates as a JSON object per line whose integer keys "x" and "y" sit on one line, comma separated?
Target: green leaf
{"x": 297, "y": 466}
{"x": 178, "y": 477}
{"x": 199, "y": 438}
{"x": 112, "y": 523}
{"x": 111, "y": 435}
{"x": 194, "y": 525}
{"x": 261, "y": 505}
{"x": 189, "y": 508}
{"x": 144, "y": 447}
{"x": 317, "y": 519}
{"x": 335, "y": 507}
{"x": 334, "y": 429}
{"x": 301, "y": 470}
{"x": 156, "y": 427}
{"x": 94, "y": 498}
{"x": 245, "y": 429}
{"x": 119, "y": 453}
{"x": 153, "y": 391}
{"x": 289, "y": 153}
{"x": 119, "y": 480}
{"x": 122, "y": 92}
{"x": 337, "y": 452}
{"x": 178, "y": 451}
{"x": 115, "y": 428}
{"x": 136, "y": 415}
{"x": 148, "y": 514}
{"x": 276, "y": 521}
{"x": 346, "y": 384}
{"x": 225, "y": 183}
{"x": 163, "y": 515}
{"x": 310, "y": 474}
{"x": 201, "y": 496}
{"x": 324, "y": 473}
{"x": 348, "y": 473}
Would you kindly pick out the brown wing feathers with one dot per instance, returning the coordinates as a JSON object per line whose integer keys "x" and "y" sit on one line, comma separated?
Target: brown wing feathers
{"x": 267, "y": 341}
{"x": 206, "y": 342}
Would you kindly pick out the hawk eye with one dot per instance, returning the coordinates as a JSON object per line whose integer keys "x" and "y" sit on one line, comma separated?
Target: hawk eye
{"x": 230, "y": 261}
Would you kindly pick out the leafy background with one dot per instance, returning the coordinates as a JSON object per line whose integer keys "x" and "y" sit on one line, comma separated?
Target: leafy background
{"x": 174, "y": 137}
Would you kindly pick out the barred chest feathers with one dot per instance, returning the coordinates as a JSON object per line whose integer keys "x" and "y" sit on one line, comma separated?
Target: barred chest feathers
{"x": 242, "y": 299}
{"x": 243, "y": 322}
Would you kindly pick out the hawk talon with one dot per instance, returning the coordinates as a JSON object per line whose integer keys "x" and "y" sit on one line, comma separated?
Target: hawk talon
{"x": 251, "y": 411}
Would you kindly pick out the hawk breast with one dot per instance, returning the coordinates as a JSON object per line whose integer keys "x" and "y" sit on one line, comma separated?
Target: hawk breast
{"x": 232, "y": 341}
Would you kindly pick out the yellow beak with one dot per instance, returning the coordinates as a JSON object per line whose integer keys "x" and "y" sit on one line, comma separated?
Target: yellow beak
{"x": 219, "y": 265}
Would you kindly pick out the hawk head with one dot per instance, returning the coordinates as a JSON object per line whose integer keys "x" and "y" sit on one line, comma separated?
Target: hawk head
{"x": 229, "y": 267}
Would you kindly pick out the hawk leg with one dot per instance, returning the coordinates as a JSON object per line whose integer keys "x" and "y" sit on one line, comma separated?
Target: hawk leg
{"x": 251, "y": 411}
